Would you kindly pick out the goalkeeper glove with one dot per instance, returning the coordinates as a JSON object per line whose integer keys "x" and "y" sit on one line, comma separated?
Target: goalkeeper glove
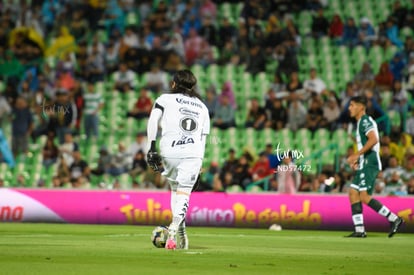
{"x": 153, "y": 158}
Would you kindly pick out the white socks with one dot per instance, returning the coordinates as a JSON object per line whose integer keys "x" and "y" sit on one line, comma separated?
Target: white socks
{"x": 358, "y": 220}
{"x": 384, "y": 211}
{"x": 179, "y": 210}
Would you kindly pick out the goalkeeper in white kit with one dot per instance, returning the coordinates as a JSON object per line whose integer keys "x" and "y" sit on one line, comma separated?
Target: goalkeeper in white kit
{"x": 185, "y": 123}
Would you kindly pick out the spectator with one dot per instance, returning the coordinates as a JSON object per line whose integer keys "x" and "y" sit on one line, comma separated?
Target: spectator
{"x": 79, "y": 171}
{"x": 191, "y": 23}
{"x": 288, "y": 178}
{"x": 67, "y": 148}
{"x": 315, "y": 116}
{"x": 385, "y": 156}
{"x": 274, "y": 35}
{"x": 113, "y": 17}
{"x": 211, "y": 101}
{"x": 63, "y": 115}
{"x": 78, "y": 102}
{"x": 384, "y": 78}
{"x": 256, "y": 62}
{"x": 93, "y": 103}
{"x": 336, "y": 27}
{"x": 208, "y": 9}
{"x": 142, "y": 107}
{"x": 366, "y": 33}
{"x": 95, "y": 65}
{"x": 140, "y": 144}
{"x": 297, "y": 114}
{"x": 79, "y": 26}
{"x": 277, "y": 85}
{"x": 104, "y": 162}
{"x": 320, "y": 24}
{"x": 120, "y": 161}
{"x": 62, "y": 44}
{"x": 22, "y": 126}
{"x": 157, "y": 81}
{"x": 139, "y": 166}
{"x": 397, "y": 66}
{"x": 124, "y": 79}
{"x": 241, "y": 175}
{"x": 230, "y": 163}
{"x": 205, "y": 55}
{"x": 294, "y": 83}
{"x": 177, "y": 45}
{"x": 224, "y": 114}
{"x": 261, "y": 168}
{"x": 399, "y": 100}
{"x": 399, "y": 13}
{"x": 277, "y": 115}
{"x": 50, "y": 152}
{"x": 130, "y": 40}
{"x": 112, "y": 58}
{"x": 286, "y": 56}
{"x": 365, "y": 75}
{"x": 256, "y": 115}
{"x": 226, "y": 32}
{"x": 208, "y": 178}
{"x": 410, "y": 186}
{"x": 391, "y": 32}
{"x": 331, "y": 113}
{"x": 392, "y": 176}
{"x": 62, "y": 176}
{"x": 192, "y": 47}
{"x": 227, "y": 90}
{"x": 350, "y": 34}
{"x": 314, "y": 85}
{"x": 208, "y": 31}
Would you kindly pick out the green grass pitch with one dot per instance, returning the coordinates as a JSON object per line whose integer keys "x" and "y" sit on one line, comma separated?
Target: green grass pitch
{"x": 115, "y": 249}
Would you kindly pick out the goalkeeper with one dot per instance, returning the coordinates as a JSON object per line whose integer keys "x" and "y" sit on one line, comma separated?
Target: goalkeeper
{"x": 185, "y": 123}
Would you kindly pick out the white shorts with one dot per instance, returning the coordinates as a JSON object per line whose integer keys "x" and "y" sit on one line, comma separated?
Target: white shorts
{"x": 182, "y": 173}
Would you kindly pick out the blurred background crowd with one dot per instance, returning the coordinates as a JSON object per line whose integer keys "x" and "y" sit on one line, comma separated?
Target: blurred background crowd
{"x": 78, "y": 80}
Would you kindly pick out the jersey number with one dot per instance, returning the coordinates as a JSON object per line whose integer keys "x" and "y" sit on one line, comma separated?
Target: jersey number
{"x": 188, "y": 124}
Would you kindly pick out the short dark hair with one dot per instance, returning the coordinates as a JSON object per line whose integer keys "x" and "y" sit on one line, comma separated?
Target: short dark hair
{"x": 360, "y": 99}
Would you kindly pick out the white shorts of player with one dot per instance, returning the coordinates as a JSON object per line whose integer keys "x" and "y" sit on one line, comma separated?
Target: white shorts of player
{"x": 182, "y": 173}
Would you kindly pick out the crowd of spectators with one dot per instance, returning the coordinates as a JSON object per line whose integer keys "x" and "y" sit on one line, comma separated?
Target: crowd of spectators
{"x": 57, "y": 51}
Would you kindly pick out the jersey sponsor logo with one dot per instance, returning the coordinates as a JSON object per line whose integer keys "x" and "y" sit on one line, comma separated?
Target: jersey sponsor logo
{"x": 185, "y": 101}
{"x": 188, "y": 112}
{"x": 182, "y": 141}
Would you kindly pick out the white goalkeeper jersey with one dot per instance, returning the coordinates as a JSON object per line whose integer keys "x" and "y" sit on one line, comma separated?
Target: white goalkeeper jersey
{"x": 184, "y": 122}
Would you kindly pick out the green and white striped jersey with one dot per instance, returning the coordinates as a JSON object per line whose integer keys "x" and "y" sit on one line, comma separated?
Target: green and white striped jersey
{"x": 91, "y": 102}
{"x": 371, "y": 158}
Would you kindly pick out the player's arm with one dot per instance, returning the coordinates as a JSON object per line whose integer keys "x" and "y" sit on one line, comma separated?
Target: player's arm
{"x": 153, "y": 158}
{"x": 372, "y": 140}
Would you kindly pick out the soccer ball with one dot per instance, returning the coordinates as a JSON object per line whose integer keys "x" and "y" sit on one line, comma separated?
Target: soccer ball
{"x": 159, "y": 236}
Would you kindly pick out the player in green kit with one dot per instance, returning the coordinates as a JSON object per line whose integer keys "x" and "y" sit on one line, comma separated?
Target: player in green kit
{"x": 367, "y": 164}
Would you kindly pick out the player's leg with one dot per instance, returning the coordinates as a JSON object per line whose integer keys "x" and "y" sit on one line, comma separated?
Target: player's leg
{"x": 170, "y": 173}
{"x": 187, "y": 172}
{"x": 395, "y": 221}
{"x": 356, "y": 208}
{"x": 357, "y": 216}
{"x": 365, "y": 194}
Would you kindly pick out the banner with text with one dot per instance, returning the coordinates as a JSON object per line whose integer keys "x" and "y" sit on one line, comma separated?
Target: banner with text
{"x": 330, "y": 212}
